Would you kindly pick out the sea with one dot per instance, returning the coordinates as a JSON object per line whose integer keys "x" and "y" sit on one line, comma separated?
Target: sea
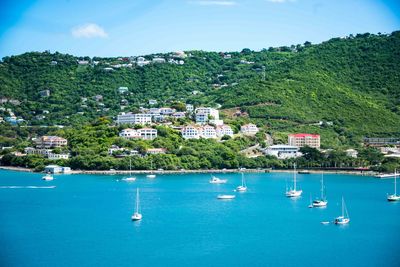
{"x": 85, "y": 220}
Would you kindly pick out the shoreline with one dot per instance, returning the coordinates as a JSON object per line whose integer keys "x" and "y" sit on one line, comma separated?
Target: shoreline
{"x": 124, "y": 172}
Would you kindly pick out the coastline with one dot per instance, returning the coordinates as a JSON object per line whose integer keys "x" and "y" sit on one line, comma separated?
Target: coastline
{"x": 125, "y": 172}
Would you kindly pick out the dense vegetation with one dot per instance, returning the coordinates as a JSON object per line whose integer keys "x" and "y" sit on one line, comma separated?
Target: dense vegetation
{"x": 349, "y": 84}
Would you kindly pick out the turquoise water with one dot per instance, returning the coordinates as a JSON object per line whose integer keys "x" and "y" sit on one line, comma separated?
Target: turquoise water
{"x": 85, "y": 221}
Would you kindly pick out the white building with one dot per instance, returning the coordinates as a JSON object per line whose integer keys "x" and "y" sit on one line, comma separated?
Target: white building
{"x": 190, "y": 132}
{"x": 131, "y": 118}
{"x": 283, "y": 151}
{"x": 123, "y": 90}
{"x": 217, "y": 122}
{"x": 224, "y": 130}
{"x": 152, "y": 102}
{"x": 204, "y": 114}
{"x": 114, "y": 148}
{"x": 37, "y": 151}
{"x": 158, "y": 60}
{"x": 249, "y": 129}
{"x": 129, "y": 133}
{"x": 189, "y": 108}
{"x": 167, "y": 111}
{"x": 53, "y": 156}
{"x": 179, "y": 115}
{"x": 144, "y": 133}
{"x": 208, "y": 131}
{"x": 147, "y": 133}
{"x": 56, "y": 169}
{"x": 153, "y": 151}
{"x": 351, "y": 153}
{"x": 141, "y": 61}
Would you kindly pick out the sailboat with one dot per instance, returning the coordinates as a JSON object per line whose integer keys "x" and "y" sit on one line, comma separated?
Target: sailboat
{"x": 130, "y": 178}
{"x": 137, "y": 216}
{"x": 321, "y": 202}
{"x": 151, "y": 174}
{"x": 343, "y": 219}
{"x": 243, "y": 187}
{"x": 48, "y": 177}
{"x": 394, "y": 197}
{"x": 293, "y": 192}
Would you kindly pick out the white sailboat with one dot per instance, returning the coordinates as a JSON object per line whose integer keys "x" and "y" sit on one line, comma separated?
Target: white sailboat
{"x": 243, "y": 187}
{"x": 321, "y": 202}
{"x": 151, "y": 175}
{"x": 293, "y": 192}
{"x": 343, "y": 219}
{"x": 48, "y": 177}
{"x": 130, "y": 178}
{"x": 395, "y": 196}
{"x": 137, "y": 216}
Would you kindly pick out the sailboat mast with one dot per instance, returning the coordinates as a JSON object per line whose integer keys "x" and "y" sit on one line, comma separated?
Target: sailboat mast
{"x": 395, "y": 176}
{"x": 242, "y": 179}
{"x": 137, "y": 200}
{"x": 322, "y": 187}
{"x": 294, "y": 177}
{"x": 342, "y": 207}
{"x": 130, "y": 166}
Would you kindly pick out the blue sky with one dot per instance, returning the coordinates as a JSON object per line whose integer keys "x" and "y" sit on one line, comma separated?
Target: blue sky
{"x": 137, "y": 27}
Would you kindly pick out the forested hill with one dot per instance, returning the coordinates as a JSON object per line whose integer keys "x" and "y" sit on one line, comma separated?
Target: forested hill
{"x": 352, "y": 84}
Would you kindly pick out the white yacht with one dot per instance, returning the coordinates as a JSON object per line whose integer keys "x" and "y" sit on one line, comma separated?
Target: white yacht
{"x": 243, "y": 187}
{"x": 130, "y": 178}
{"x": 386, "y": 175}
{"x": 395, "y": 196}
{"x": 48, "y": 177}
{"x": 137, "y": 216}
{"x": 321, "y": 202}
{"x": 293, "y": 192}
{"x": 344, "y": 218}
{"x": 216, "y": 180}
{"x": 226, "y": 196}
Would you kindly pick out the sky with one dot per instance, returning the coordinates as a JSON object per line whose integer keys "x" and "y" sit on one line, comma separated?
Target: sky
{"x": 139, "y": 27}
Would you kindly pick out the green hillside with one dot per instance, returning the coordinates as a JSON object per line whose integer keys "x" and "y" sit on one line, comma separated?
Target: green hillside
{"x": 351, "y": 84}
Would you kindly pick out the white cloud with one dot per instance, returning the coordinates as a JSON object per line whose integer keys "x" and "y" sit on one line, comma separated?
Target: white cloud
{"x": 215, "y": 3}
{"x": 89, "y": 30}
{"x": 280, "y": 1}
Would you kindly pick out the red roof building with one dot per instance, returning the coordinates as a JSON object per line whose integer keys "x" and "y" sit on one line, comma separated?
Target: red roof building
{"x": 303, "y": 139}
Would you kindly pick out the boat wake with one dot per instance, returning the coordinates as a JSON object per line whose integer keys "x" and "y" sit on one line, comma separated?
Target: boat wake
{"x": 28, "y": 186}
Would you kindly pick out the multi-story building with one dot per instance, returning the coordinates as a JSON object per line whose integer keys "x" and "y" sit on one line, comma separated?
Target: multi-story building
{"x": 190, "y": 132}
{"x": 167, "y": 111}
{"x": 37, "y": 151}
{"x": 302, "y": 139}
{"x": 283, "y": 151}
{"x": 204, "y": 114}
{"x": 50, "y": 141}
{"x": 208, "y": 131}
{"x": 129, "y": 134}
{"x": 144, "y": 133}
{"x": 131, "y": 118}
{"x": 147, "y": 133}
{"x": 249, "y": 129}
{"x": 224, "y": 130}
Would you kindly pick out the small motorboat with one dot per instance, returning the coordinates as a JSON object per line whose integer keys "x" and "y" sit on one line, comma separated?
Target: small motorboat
{"x": 216, "y": 180}
{"x": 48, "y": 177}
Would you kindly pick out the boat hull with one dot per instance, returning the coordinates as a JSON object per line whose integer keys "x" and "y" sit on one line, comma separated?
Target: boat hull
{"x": 294, "y": 193}
{"x": 226, "y": 196}
{"x": 319, "y": 204}
{"x": 393, "y": 198}
{"x": 136, "y": 217}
